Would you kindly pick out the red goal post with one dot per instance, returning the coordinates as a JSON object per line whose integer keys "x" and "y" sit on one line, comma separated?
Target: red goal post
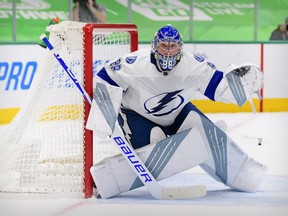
{"x": 88, "y": 64}
{"x": 88, "y": 59}
{"x": 46, "y": 150}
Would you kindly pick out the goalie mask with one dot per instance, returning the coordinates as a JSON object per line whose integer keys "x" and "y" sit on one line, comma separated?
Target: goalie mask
{"x": 166, "y": 48}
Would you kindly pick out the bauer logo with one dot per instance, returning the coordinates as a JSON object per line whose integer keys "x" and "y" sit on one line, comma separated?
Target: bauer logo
{"x": 17, "y": 75}
{"x": 132, "y": 159}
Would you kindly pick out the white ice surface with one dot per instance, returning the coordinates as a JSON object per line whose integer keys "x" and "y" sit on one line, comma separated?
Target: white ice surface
{"x": 245, "y": 129}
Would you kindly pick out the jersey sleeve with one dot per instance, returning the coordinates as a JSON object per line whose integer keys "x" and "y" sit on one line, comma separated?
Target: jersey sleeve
{"x": 112, "y": 73}
{"x": 210, "y": 78}
{"x": 214, "y": 85}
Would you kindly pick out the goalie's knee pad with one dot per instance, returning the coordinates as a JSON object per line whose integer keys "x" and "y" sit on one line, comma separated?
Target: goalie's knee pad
{"x": 222, "y": 125}
{"x": 249, "y": 177}
{"x": 156, "y": 135}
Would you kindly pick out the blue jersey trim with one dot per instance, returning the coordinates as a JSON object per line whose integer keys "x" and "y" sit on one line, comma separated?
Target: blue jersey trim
{"x": 213, "y": 84}
{"x": 104, "y": 75}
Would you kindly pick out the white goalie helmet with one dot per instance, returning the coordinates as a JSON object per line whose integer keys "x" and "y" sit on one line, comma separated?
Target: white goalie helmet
{"x": 166, "y": 47}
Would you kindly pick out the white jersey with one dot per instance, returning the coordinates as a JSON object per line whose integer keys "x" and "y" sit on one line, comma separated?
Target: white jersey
{"x": 155, "y": 96}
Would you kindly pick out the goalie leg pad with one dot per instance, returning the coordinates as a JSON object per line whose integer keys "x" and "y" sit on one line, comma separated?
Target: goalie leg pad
{"x": 156, "y": 135}
{"x": 170, "y": 156}
{"x": 249, "y": 177}
{"x": 226, "y": 163}
{"x": 103, "y": 175}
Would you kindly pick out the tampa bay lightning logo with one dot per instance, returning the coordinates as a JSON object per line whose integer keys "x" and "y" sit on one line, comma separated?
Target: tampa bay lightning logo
{"x": 131, "y": 59}
{"x": 164, "y": 104}
{"x": 199, "y": 58}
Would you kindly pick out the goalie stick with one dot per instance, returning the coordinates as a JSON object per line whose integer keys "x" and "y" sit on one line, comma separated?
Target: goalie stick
{"x": 156, "y": 190}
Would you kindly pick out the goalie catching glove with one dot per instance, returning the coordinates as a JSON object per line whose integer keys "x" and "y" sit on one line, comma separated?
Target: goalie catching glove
{"x": 244, "y": 81}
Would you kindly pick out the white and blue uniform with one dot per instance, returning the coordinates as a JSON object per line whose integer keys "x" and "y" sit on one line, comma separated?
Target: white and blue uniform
{"x": 153, "y": 99}
{"x": 158, "y": 85}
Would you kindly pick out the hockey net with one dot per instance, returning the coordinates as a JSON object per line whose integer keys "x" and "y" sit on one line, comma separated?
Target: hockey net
{"x": 46, "y": 148}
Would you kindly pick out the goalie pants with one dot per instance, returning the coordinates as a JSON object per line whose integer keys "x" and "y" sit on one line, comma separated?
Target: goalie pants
{"x": 138, "y": 129}
{"x": 227, "y": 163}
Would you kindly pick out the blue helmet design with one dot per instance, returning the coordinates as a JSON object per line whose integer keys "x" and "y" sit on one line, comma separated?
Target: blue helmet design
{"x": 167, "y": 54}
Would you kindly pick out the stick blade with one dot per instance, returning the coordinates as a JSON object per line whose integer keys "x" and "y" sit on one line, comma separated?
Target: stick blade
{"x": 175, "y": 193}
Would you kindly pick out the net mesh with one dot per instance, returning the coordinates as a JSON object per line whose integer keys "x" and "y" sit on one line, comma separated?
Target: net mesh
{"x": 42, "y": 150}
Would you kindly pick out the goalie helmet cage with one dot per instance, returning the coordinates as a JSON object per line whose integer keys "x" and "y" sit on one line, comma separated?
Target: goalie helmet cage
{"x": 46, "y": 149}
